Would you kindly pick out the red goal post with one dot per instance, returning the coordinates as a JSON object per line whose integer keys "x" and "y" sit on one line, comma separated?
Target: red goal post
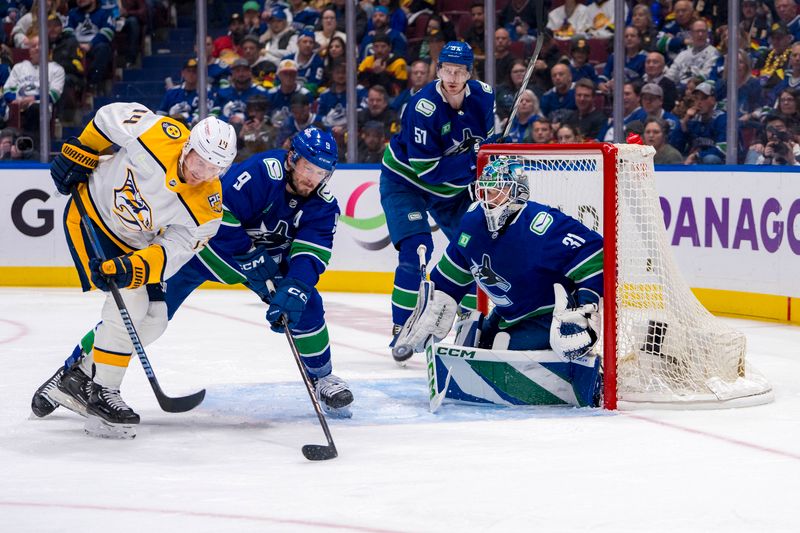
{"x": 660, "y": 347}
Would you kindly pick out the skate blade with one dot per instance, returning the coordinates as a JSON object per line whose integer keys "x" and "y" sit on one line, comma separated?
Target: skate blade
{"x": 97, "y": 427}
{"x": 333, "y": 412}
{"x": 65, "y": 400}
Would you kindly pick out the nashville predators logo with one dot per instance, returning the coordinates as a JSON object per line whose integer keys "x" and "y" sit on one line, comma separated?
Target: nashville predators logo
{"x": 131, "y": 208}
{"x": 172, "y": 131}
{"x": 215, "y": 202}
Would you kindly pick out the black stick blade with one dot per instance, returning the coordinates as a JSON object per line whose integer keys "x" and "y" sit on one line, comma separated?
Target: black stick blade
{"x": 319, "y": 452}
{"x": 182, "y": 404}
{"x": 402, "y": 352}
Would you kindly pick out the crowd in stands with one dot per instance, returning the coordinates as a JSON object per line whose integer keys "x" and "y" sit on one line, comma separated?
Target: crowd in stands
{"x": 280, "y": 66}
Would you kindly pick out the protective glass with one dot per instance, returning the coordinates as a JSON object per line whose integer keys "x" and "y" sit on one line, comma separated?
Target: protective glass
{"x": 308, "y": 176}
{"x": 450, "y": 74}
{"x": 196, "y": 168}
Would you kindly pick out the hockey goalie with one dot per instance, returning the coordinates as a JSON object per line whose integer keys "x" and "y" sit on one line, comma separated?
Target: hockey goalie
{"x": 542, "y": 270}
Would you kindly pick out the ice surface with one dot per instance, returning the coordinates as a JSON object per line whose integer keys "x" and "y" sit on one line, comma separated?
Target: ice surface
{"x": 234, "y": 463}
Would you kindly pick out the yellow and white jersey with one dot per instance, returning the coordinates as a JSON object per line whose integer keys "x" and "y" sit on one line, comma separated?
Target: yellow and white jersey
{"x": 135, "y": 196}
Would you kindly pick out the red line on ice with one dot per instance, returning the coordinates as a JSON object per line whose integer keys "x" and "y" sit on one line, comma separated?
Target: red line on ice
{"x": 202, "y": 514}
{"x": 22, "y": 331}
{"x": 722, "y": 438}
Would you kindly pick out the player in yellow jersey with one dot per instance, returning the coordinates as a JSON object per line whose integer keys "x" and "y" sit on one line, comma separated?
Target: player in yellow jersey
{"x": 154, "y": 204}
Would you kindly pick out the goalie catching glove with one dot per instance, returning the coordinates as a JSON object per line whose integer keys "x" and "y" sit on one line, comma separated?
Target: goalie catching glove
{"x": 573, "y": 331}
{"x": 433, "y": 322}
{"x": 129, "y": 271}
{"x": 73, "y": 165}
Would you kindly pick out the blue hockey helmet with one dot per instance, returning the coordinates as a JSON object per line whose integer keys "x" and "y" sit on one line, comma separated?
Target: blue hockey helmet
{"x": 457, "y": 52}
{"x": 502, "y": 189}
{"x": 317, "y": 147}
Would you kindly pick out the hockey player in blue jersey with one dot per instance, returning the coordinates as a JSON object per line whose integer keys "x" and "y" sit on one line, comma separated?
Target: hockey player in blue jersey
{"x": 278, "y": 224}
{"x": 542, "y": 270}
{"x": 427, "y": 167}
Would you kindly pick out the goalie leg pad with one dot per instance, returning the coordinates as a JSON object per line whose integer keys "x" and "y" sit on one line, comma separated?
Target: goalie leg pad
{"x": 468, "y": 329}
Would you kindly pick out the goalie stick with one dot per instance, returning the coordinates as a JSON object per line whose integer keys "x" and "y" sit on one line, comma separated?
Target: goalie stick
{"x": 312, "y": 452}
{"x": 167, "y": 403}
{"x": 401, "y": 352}
{"x": 540, "y": 27}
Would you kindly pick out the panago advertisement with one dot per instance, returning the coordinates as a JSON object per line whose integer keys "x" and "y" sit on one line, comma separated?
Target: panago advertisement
{"x": 731, "y": 229}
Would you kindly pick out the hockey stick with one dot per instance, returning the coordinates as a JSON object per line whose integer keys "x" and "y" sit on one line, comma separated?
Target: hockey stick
{"x": 540, "y": 27}
{"x": 402, "y": 352}
{"x": 167, "y": 403}
{"x": 312, "y": 452}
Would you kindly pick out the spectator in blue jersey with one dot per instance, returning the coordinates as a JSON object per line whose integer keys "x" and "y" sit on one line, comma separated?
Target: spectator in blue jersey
{"x": 309, "y": 65}
{"x": 182, "y": 102}
{"x": 579, "y": 61}
{"x": 702, "y": 134}
{"x": 634, "y": 61}
{"x": 333, "y": 100}
{"x": 428, "y": 165}
{"x": 303, "y": 15}
{"x": 93, "y": 27}
{"x": 787, "y": 15}
{"x": 380, "y": 22}
{"x": 232, "y": 100}
{"x": 675, "y": 34}
{"x": 562, "y": 95}
{"x": 300, "y": 117}
{"x": 631, "y": 109}
{"x": 541, "y": 268}
{"x": 652, "y": 100}
{"x": 280, "y": 97}
{"x": 527, "y": 113}
{"x": 418, "y": 78}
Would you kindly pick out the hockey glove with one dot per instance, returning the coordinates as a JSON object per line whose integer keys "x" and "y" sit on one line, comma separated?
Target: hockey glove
{"x": 572, "y": 331}
{"x": 290, "y": 299}
{"x": 129, "y": 271}
{"x": 257, "y": 266}
{"x": 73, "y": 165}
{"x": 433, "y": 322}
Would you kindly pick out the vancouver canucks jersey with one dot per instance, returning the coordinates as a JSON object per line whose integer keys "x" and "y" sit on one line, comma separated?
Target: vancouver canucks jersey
{"x": 259, "y": 211}
{"x": 518, "y": 266}
{"x": 428, "y": 152}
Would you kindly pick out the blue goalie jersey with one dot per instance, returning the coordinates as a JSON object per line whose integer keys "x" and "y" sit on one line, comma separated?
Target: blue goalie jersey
{"x": 518, "y": 267}
{"x": 428, "y": 151}
{"x": 259, "y": 211}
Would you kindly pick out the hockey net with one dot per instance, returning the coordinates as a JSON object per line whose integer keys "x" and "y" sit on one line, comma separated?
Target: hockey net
{"x": 660, "y": 346}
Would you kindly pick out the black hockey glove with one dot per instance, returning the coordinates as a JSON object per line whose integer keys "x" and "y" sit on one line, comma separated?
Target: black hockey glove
{"x": 73, "y": 165}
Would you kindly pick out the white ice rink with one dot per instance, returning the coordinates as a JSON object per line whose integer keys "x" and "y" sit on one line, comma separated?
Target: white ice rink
{"x": 234, "y": 463}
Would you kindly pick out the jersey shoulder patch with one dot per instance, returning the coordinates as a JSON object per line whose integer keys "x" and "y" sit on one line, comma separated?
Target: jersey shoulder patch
{"x": 164, "y": 141}
{"x": 541, "y": 222}
{"x": 326, "y": 194}
{"x": 274, "y": 168}
{"x": 425, "y": 107}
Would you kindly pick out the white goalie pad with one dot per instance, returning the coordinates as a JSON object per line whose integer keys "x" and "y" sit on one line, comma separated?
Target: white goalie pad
{"x": 509, "y": 377}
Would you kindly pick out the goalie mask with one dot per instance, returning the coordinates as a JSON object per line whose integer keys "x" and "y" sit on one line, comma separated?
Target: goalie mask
{"x": 502, "y": 189}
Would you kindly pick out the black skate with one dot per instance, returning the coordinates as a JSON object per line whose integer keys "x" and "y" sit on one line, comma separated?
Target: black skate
{"x": 108, "y": 415}
{"x": 72, "y": 390}
{"x": 334, "y": 396}
{"x": 43, "y": 403}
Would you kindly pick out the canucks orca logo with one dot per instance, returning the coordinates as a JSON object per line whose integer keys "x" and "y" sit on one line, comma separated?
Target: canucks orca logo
{"x": 275, "y": 240}
{"x": 131, "y": 208}
{"x": 465, "y": 145}
{"x": 490, "y": 281}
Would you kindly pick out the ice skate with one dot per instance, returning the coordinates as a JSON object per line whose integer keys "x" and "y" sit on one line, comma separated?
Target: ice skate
{"x": 108, "y": 415}
{"x": 334, "y": 396}
{"x": 43, "y": 403}
{"x": 72, "y": 390}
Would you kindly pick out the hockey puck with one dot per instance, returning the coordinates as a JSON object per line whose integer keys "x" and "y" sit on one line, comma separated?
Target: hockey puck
{"x": 402, "y": 352}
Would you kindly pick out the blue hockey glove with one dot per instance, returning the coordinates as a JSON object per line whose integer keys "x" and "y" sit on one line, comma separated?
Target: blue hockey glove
{"x": 290, "y": 299}
{"x": 258, "y": 267}
{"x": 73, "y": 165}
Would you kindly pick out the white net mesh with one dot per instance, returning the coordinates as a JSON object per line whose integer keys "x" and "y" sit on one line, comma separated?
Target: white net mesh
{"x": 669, "y": 348}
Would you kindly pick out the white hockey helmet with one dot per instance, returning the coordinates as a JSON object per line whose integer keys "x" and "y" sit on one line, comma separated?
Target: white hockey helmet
{"x": 214, "y": 141}
{"x": 502, "y": 189}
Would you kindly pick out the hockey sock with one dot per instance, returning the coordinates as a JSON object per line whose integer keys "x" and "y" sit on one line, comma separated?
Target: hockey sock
{"x": 407, "y": 276}
{"x": 315, "y": 351}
